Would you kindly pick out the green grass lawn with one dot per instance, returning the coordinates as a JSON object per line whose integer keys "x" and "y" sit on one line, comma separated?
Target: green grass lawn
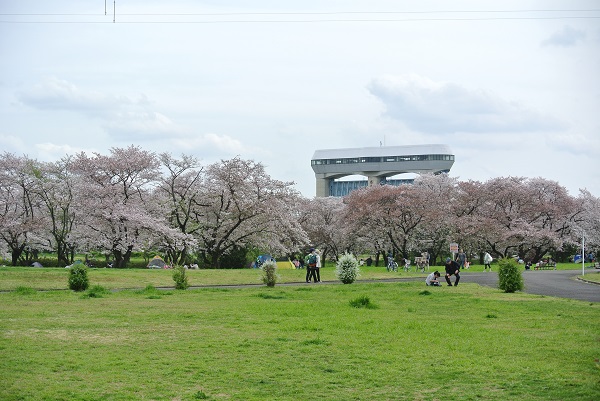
{"x": 591, "y": 276}
{"x": 56, "y": 278}
{"x": 291, "y": 342}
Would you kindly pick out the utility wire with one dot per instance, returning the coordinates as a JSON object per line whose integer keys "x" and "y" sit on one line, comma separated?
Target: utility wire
{"x": 420, "y": 16}
{"x": 315, "y": 13}
{"x": 302, "y": 21}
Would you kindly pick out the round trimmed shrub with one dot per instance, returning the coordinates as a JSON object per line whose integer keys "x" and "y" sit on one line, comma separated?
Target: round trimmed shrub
{"x": 509, "y": 275}
{"x": 346, "y": 269}
{"x": 78, "y": 277}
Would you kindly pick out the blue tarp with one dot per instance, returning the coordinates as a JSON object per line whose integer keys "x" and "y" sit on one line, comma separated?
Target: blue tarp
{"x": 262, "y": 259}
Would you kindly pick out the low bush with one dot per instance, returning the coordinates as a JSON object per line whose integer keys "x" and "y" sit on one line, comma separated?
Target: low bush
{"x": 180, "y": 278}
{"x": 96, "y": 291}
{"x": 346, "y": 269}
{"x": 23, "y": 290}
{"x": 78, "y": 277}
{"x": 269, "y": 273}
{"x": 509, "y": 275}
{"x": 363, "y": 302}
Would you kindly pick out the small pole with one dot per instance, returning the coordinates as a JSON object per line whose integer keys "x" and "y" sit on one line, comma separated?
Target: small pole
{"x": 104, "y": 7}
{"x": 114, "y": 10}
{"x": 582, "y": 253}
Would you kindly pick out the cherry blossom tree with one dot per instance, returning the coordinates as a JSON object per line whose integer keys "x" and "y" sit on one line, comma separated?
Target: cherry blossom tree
{"x": 54, "y": 185}
{"x": 587, "y": 222}
{"x": 20, "y": 218}
{"x": 392, "y": 212}
{"x": 181, "y": 193}
{"x": 439, "y": 226}
{"x": 322, "y": 220}
{"x": 113, "y": 200}
{"x": 526, "y": 217}
{"x": 246, "y": 207}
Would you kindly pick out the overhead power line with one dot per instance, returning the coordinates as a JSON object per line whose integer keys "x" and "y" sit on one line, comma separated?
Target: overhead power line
{"x": 345, "y": 16}
{"x": 319, "y": 12}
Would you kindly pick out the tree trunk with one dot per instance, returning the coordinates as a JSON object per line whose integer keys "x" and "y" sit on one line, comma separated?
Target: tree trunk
{"x": 16, "y": 254}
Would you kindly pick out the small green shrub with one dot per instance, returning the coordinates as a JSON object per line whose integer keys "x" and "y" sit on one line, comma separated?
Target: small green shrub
{"x": 22, "y": 290}
{"x": 269, "y": 273}
{"x": 180, "y": 278}
{"x": 509, "y": 275}
{"x": 150, "y": 291}
{"x": 346, "y": 269}
{"x": 363, "y": 302}
{"x": 200, "y": 395}
{"x": 96, "y": 291}
{"x": 78, "y": 277}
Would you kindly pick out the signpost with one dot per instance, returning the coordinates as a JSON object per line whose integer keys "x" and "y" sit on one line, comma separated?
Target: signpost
{"x": 453, "y": 249}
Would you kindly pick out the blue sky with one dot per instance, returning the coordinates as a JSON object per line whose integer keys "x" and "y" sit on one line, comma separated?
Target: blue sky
{"x": 514, "y": 92}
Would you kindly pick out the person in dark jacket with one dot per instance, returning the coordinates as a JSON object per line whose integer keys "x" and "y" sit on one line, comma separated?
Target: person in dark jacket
{"x": 452, "y": 268}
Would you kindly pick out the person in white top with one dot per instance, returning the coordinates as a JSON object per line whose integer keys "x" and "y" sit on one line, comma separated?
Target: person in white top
{"x": 487, "y": 259}
{"x": 318, "y": 267}
{"x": 432, "y": 278}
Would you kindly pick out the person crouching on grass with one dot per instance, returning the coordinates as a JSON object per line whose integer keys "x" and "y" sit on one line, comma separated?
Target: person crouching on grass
{"x": 452, "y": 268}
{"x": 432, "y": 279}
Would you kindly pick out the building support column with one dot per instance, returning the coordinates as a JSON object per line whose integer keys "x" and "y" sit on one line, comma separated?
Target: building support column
{"x": 374, "y": 180}
{"x": 322, "y": 186}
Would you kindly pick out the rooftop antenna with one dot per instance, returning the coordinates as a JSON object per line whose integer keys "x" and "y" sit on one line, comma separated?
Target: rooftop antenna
{"x": 114, "y": 10}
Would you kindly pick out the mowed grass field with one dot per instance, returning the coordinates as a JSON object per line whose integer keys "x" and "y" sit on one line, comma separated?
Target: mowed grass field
{"x": 304, "y": 342}
{"x": 57, "y": 278}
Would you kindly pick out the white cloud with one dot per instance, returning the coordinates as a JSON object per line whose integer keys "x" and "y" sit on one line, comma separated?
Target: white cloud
{"x": 566, "y": 37}
{"x": 440, "y": 107}
{"x": 58, "y": 94}
{"x": 138, "y": 124}
{"x": 51, "y": 152}
{"x": 16, "y": 145}
{"x": 122, "y": 118}
{"x": 576, "y": 144}
{"x": 205, "y": 144}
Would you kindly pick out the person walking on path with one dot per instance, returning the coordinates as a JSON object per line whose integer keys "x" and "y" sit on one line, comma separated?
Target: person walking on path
{"x": 461, "y": 258}
{"x": 318, "y": 267}
{"x": 452, "y": 268}
{"x": 487, "y": 259}
{"x": 311, "y": 265}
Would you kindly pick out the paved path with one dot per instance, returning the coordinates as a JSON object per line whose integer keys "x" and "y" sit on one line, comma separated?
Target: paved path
{"x": 555, "y": 283}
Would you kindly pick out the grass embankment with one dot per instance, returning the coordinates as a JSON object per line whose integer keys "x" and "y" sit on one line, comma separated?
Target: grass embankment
{"x": 297, "y": 343}
{"x": 591, "y": 276}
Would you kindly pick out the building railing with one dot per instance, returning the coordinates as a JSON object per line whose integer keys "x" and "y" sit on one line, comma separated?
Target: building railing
{"x": 384, "y": 159}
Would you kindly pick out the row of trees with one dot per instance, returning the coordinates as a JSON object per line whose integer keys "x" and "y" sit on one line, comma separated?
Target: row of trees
{"x": 134, "y": 200}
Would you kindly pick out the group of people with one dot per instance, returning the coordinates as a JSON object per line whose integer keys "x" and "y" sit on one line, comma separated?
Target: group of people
{"x": 313, "y": 266}
{"x": 452, "y": 269}
{"x": 312, "y": 261}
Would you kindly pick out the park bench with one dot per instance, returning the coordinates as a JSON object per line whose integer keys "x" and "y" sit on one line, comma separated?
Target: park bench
{"x": 544, "y": 265}
{"x": 422, "y": 262}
